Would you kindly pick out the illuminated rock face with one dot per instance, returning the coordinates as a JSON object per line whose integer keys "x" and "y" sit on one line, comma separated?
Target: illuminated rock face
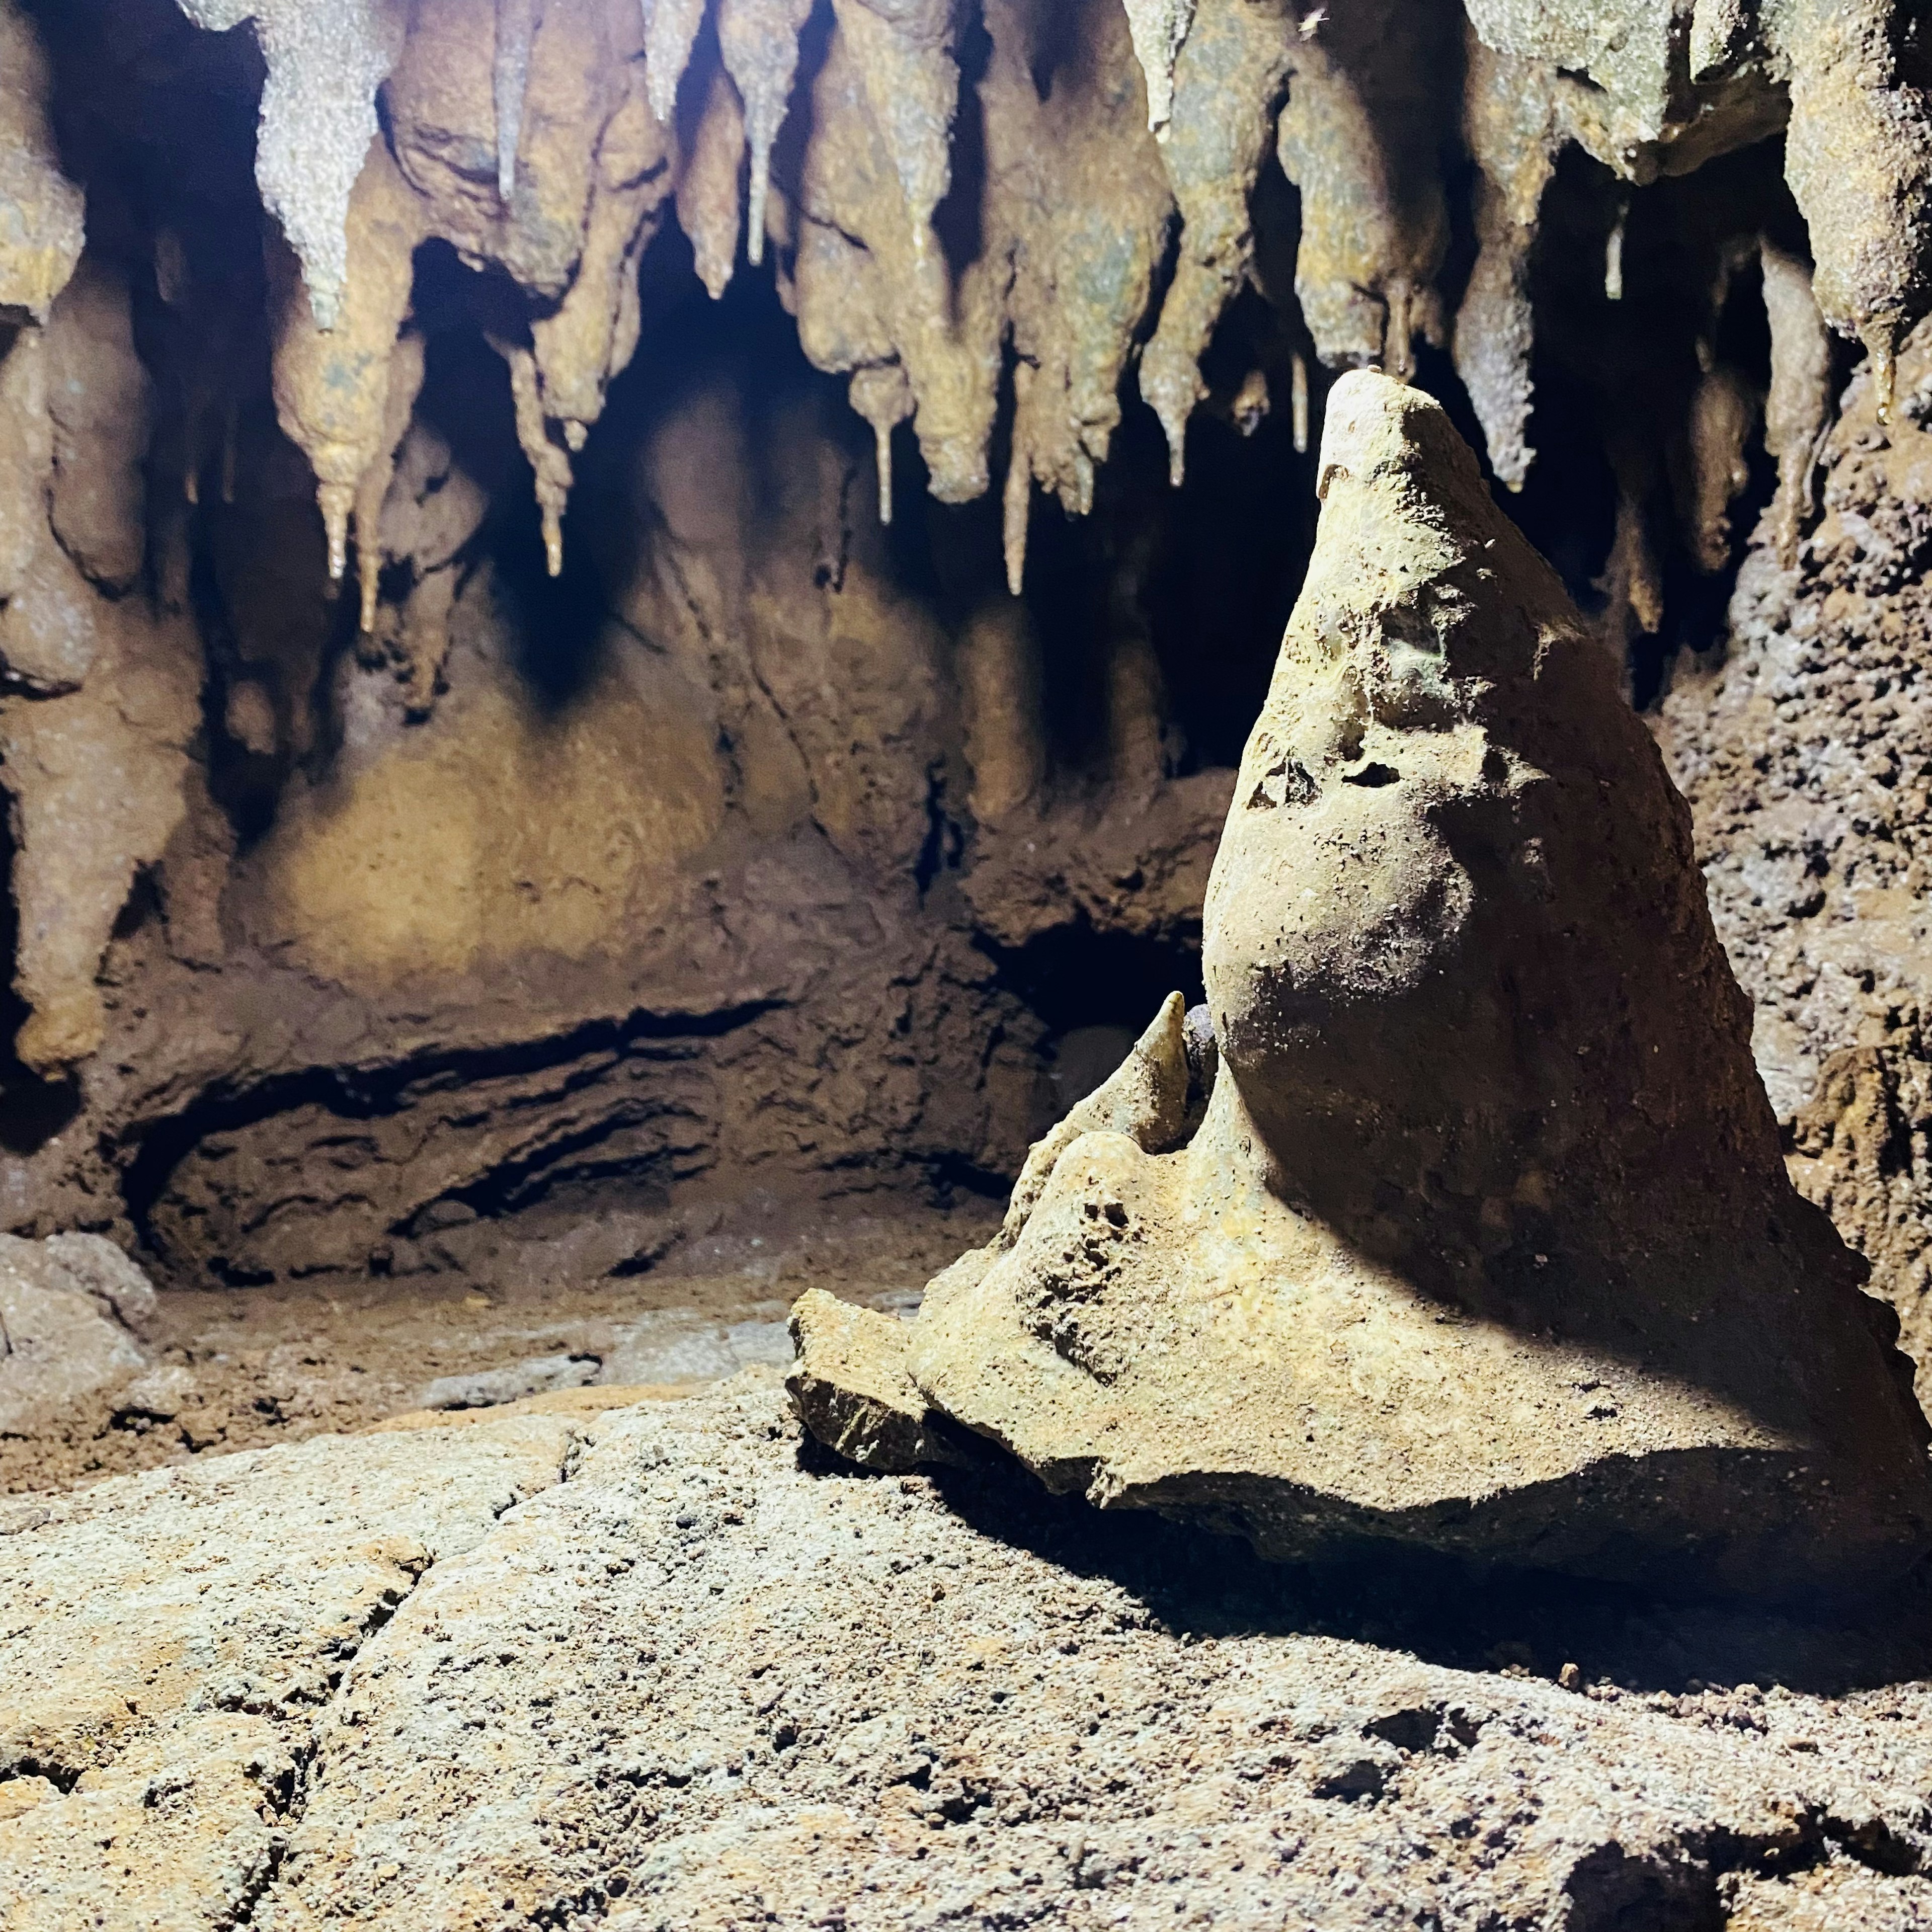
{"x": 404, "y": 314}
{"x": 1485, "y": 1244}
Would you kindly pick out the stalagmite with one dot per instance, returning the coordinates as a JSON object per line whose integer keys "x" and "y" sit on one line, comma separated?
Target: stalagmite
{"x": 709, "y": 201}
{"x": 40, "y": 231}
{"x": 331, "y": 388}
{"x": 759, "y": 41}
{"x": 1227, "y": 84}
{"x": 325, "y": 59}
{"x": 670, "y": 29}
{"x": 1160, "y": 31}
{"x": 1485, "y": 1244}
{"x": 1799, "y": 404}
{"x": 516, "y": 28}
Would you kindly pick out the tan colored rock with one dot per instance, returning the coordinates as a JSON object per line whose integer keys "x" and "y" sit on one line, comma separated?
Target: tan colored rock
{"x": 1484, "y": 1244}
{"x": 852, "y": 1386}
{"x": 169, "y": 1639}
{"x": 61, "y": 1342}
{"x": 325, "y": 61}
{"x": 42, "y": 213}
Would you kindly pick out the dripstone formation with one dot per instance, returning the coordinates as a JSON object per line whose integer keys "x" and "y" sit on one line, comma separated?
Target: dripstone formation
{"x": 1485, "y": 1243}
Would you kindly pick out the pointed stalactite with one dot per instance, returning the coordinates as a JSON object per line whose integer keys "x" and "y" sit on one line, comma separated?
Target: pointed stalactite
{"x": 884, "y": 397}
{"x": 1858, "y": 157}
{"x": 550, "y": 464}
{"x": 330, "y": 387}
{"x": 517, "y": 22}
{"x": 905, "y": 53}
{"x": 325, "y": 61}
{"x": 710, "y": 198}
{"x": 670, "y": 31}
{"x": 759, "y": 41}
{"x": 1077, "y": 202}
{"x": 1360, "y": 137}
{"x": 1159, "y": 28}
{"x": 590, "y": 336}
{"x": 1228, "y": 86}
{"x": 405, "y": 381}
{"x": 1798, "y": 405}
{"x": 1509, "y": 126}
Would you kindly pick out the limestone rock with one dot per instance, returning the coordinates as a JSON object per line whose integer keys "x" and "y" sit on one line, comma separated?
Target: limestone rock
{"x": 391, "y": 1682}
{"x": 61, "y": 1335}
{"x": 169, "y": 1637}
{"x": 42, "y": 213}
{"x": 852, "y": 1386}
{"x": 1485, "y": 1243}
{"x": 1799, "y": 752}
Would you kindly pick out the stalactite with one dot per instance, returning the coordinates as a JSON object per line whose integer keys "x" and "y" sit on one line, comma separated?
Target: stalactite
{"x": 905, "y": 53}
{"x": 1510, "y": 127}
{"x": 330, "y": 387}
{"x": 516, "y": 28}
{"x": 592, "y": 335}
{"x": 1858, "y": 156}
{"x": 890, "y": 297}
{"x": 710, "y": 201}
{"x": 670, "y": 30}
{"x": 1799, "y": 404}
{"x": 1077, "y": 213}
{"x": 1160, "y": 31}
{"x": 1359, "y": 137}
{"x": 759, "y": 41}
{"x": 404, "y": 385}
{"x": 40, "y": 236}
{"x": 1724, "y": 411}
{"x": 1227, "y": 84}
{"x": 882, "y": 396}
{"x": 1074, "y": 200}
{"x": 551, "y": 464}
{"x": 325, "y": 61}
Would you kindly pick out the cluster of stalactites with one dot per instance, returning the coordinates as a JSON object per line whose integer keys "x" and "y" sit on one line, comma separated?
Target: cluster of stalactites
{"x": 1113, "y": 136}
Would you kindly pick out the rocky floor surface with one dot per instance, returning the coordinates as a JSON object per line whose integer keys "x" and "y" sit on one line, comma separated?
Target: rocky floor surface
{"x": 666, "y": 1667}
{"x": 234, "y": 1369}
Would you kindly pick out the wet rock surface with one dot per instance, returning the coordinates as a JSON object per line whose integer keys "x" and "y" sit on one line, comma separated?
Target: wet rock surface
{"x": 669, "y": 1667}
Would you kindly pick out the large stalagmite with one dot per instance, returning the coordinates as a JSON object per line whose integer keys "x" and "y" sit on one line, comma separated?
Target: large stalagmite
{"x": 1485, "y": 1244}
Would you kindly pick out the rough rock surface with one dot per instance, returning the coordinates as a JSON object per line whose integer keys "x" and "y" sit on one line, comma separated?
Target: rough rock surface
{"x": 73, "y": 1311}
{"x": 1801, "y": 754}
{"x": 1486, "y": 1243}
{"x": 703, "y": 1680}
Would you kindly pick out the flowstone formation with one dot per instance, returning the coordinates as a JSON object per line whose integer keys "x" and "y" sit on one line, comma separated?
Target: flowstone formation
{"x": 1484, "y": 1243}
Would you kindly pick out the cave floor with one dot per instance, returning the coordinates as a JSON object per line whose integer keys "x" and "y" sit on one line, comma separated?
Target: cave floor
{"x": 244, "y": 1368}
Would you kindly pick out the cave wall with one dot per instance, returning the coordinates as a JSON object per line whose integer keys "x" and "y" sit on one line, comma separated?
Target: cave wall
{"x": 621, "y": 604}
